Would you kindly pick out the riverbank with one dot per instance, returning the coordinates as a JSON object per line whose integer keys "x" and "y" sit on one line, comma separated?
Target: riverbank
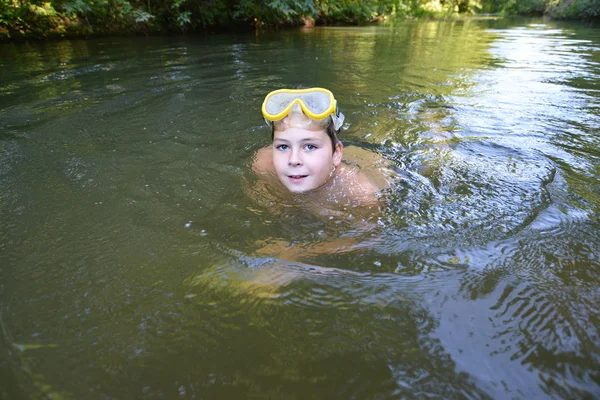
{"x": 29, "y": 19}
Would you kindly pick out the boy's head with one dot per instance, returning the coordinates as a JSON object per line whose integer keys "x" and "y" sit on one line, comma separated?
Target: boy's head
{"x": 304, "y": 124}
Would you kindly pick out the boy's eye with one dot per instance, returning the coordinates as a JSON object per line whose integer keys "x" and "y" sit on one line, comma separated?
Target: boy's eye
{"x": 311, "y": 147}
{"x": 282, "y": 147}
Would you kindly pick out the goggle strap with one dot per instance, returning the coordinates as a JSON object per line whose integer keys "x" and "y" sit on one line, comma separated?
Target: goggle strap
{"x": 338, "y": 120}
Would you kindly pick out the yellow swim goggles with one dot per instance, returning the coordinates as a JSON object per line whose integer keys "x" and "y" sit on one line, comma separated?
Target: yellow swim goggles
{"x": 313, "y": 108}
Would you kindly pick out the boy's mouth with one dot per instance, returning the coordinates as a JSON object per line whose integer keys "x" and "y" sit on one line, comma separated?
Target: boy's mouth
{"x": 296, "y": 178}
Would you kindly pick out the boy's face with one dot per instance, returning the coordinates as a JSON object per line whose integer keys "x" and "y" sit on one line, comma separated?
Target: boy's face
{"x": 304, "y": 159}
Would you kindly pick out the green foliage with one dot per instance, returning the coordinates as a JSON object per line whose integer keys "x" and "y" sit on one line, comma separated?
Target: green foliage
{"x": 21, "y": 16}
{"x": 558, "y": 9}
{"x": 39, "y": 18}
{"x": 77, "y": 7}
{"x": 452, "y": 6}
{"x": 572, "y": 9}
{"x": 261, "y": 12}
{"x": 142, "y": 16}
{"x": 210, "y": 13}
{"x": 10, "y": 16}
{"x": 525, "y": 7}
{"x": 347, "y": 11}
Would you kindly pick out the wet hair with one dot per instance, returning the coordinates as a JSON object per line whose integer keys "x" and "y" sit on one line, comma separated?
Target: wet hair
{"x": 331, "y": 132}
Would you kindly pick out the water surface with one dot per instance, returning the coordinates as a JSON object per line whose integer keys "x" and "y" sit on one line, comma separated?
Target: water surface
{"x": 130, "y": 252}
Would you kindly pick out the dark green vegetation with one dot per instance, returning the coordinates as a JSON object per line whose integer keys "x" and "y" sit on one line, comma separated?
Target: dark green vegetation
{"x": 35, "y": 18}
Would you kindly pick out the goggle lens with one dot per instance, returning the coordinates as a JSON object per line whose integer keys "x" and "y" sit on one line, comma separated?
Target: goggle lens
{"x": 315, "y": 102}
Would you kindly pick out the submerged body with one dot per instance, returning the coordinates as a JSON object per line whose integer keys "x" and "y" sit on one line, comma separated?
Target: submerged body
{"x": 304, "y": 172}
{"x": 348, "y": 203}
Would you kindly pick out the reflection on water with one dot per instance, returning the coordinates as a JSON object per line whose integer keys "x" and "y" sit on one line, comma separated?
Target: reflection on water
{"x": 134, "y": 262}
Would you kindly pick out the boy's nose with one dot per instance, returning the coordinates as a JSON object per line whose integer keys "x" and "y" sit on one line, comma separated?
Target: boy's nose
{"x": 295, "y": 159}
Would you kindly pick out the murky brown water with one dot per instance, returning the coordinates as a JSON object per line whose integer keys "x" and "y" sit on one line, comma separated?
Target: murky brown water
{"x": 132, "y": 255}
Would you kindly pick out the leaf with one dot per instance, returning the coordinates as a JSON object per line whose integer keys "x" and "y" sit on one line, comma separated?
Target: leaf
{"x": 142, "y": 16}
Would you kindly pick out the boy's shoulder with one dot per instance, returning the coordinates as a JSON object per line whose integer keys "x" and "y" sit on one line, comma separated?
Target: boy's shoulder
{"x": 372, "y": 171}
{"x": 263, "y": 161}
{"x": 353, "y": 184}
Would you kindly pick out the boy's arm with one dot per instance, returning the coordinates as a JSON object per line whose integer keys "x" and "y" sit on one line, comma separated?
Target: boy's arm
{"x": 300, "y": 251}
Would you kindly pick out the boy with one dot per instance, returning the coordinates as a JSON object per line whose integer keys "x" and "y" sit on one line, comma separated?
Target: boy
{"x": 306, "y": 156}
{"x": 303, "y": 170}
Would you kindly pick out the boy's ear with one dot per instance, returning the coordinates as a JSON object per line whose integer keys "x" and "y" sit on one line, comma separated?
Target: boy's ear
{"x": 337, "y": 153}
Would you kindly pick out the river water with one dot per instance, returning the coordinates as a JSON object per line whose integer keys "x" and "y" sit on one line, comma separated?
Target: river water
{"x": 130, "y": 248}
